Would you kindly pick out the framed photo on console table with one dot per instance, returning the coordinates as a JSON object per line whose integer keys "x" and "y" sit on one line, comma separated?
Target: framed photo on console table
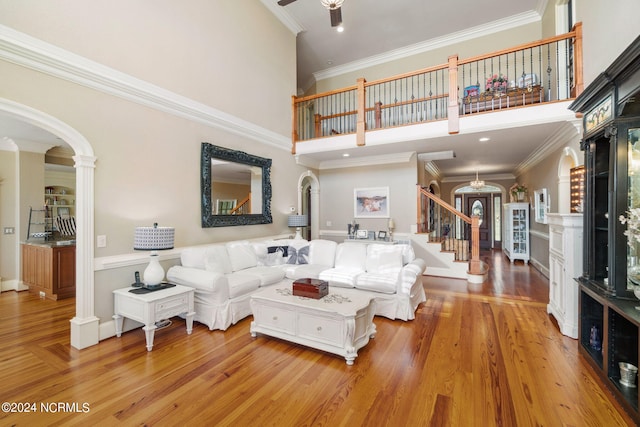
{"x": 371, "y": 202}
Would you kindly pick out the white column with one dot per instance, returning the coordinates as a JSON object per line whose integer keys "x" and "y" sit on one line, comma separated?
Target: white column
{"x": 85, "y": 325}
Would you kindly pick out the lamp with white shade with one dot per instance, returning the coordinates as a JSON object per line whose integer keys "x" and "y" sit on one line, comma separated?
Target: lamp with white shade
{"x": 153, "y": 239}
{"x": 298, "y": 221}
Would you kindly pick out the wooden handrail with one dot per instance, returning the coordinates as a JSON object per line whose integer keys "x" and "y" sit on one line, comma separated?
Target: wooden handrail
{"x": 475, "y": 264}
{"x": 303, "y": 129}
{"x": 444, "y": 204}
{"x": 241, "y": 205}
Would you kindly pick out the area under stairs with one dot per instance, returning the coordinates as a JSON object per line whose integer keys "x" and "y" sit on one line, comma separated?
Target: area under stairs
{"x": 441, "y": 263}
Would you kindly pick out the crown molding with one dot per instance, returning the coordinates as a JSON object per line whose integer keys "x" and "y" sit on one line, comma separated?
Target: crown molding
{"x": 432, "y": 44}
{"x": 433, "y": 170}
{"x": 30, "y": 52}
{"x": 571, "y": 130}
{"x": 283, "y": 16}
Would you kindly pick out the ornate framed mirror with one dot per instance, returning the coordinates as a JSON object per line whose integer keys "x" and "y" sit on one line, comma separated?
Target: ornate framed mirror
{"x": 235, "y": 187}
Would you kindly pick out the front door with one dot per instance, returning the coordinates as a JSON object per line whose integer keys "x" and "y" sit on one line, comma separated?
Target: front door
{"x": 480, "y": 205}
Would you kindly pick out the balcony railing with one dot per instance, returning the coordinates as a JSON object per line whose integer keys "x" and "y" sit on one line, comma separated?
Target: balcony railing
{"x": 548, "y": 70}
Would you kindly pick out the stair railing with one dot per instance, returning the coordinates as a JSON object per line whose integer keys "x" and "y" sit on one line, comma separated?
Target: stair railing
{"x": 244, "y": 207}
{"x": 457, "y": 232}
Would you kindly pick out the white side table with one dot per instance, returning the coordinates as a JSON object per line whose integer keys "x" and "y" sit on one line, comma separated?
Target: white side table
{"x": 153, "y": 306}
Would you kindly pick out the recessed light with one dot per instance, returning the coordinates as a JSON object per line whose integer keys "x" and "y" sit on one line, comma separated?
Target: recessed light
{"x": 340, "y": 29}
{"x": 346, "y": 155}
{"x": 484, "y": 139}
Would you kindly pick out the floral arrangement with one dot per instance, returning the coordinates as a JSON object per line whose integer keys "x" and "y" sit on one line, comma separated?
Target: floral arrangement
{"x": 517, "y": 188}
{"x": 633, "y": 226}
{"x": 496, "y": 82}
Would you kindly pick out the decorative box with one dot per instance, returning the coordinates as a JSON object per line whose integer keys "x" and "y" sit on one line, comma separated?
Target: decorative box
{"x": 310, "y": 288}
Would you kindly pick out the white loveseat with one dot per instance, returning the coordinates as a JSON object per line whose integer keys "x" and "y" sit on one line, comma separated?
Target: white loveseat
{"x": 226, "y": 275}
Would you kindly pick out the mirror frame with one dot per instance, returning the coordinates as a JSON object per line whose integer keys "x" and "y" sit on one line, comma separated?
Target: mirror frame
{"x": 210, "y": 151}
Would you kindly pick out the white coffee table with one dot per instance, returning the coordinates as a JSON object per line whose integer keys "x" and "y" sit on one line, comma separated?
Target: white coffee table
{"x": 153, "y": 306}
{"x": 339, "y": 323}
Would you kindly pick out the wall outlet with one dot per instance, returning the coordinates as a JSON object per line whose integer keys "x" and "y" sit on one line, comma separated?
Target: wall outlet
{"x": 9, "y": 230}
{"x": 101, "y": 241}
{"x": 42, "y": 294}
{"x": 328, "y": 223}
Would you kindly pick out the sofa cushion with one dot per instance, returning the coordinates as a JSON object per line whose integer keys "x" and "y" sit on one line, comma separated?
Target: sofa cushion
{"x": 341, "y": 277}
{"x": 351, "y": 255}
{"x": 408, "y": 253}
{"x": 241, "y": 255}
{"x": 193, "y": 257}
{"x": 322, "y": 252}
{"x": 378, "y": 282}
{"x": 298, "y": 252}
{"x": 216, "y": 260}
{"x": 242, "y": 284}
{"x": 305, "y": 271}
{"x": 384, "y": 259}
{"x": 266, "y": 275}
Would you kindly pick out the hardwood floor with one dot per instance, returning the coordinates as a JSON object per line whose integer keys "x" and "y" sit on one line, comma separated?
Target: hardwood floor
{"x": 483, "y": 355}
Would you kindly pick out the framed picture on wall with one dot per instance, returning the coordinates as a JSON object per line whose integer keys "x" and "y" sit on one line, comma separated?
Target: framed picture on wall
{"x": 371, "y": 202}
{"x": 541, "y": 205}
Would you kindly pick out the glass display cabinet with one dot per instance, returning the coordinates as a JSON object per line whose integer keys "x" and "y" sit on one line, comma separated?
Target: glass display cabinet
{"x": 515, "y": 243}
{"x": 609, "y": 317}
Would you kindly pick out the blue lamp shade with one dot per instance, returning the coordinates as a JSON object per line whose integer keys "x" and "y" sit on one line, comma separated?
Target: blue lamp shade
{"x": 153, "y": 239}
{"x": 297, "y": 221}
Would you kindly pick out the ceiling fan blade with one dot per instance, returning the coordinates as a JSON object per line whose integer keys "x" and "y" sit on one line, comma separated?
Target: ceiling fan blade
{"x": 336, "y": 16}
{"x": 285, "y": 2}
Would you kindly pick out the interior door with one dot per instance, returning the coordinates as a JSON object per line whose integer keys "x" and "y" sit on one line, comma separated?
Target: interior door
{"x": 480, "y": 205}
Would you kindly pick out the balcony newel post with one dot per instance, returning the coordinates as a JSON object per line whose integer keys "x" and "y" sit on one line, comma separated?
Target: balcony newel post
{"x": 361, "y": 124}
{"x": 577, "y": 60}
{"x": 454, "y": 109}
{"x": 294, "y": 123}
{"x": 475, "y": 266}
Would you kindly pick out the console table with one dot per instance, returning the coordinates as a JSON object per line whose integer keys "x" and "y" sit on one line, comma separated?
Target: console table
{"x": 512, "y": 97}
{"x": 153, "y": 306}
{"x": 339, "y": 323}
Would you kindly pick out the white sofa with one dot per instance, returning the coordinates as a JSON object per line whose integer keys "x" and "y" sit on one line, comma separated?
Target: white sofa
{"x": 226, "y": 275}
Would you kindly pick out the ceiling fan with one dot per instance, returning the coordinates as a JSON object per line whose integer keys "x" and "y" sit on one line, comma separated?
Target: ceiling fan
{"x": 335, "y": 13}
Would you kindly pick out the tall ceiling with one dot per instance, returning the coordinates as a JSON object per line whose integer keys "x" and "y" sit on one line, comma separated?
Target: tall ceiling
{"x": 379, "y": 28}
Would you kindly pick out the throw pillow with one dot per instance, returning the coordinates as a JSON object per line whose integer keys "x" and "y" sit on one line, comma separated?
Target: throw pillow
{"x": 298, "y": 252}
{"x": 241, "y": 255}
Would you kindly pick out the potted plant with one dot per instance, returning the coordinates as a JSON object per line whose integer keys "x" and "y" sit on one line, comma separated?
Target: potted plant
{"x": 518, "y": 192}
{"x": 496, "y": 83}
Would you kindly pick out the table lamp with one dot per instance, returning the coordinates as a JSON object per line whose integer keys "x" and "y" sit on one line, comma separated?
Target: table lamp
{"x": 297, "y": 221}
{"x": 153, "y": 239}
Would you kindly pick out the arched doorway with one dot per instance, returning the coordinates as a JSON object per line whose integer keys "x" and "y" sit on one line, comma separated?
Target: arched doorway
{"x": 485, "y": 202}
{"x": 85, "y": 325}
{"x": 309, "y": 202}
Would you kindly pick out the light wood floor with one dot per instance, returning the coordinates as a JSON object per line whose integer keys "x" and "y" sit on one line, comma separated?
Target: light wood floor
{"x": 487, "y": 355}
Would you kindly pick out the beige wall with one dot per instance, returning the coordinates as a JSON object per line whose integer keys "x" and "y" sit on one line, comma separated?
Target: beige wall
{"x": 148, "y": 161}
{"x": 337, "y": 195}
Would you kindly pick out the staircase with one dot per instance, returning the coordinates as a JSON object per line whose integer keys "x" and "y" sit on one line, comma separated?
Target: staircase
{"x": 448, "y": 240}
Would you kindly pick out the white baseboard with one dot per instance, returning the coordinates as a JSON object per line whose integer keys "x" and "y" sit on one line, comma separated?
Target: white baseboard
{"x": 12, "y": 285}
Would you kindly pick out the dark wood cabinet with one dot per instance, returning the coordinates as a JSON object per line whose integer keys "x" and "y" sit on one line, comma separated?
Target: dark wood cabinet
{"x": 609, "y": 312}
{"x": 49, "y": 270}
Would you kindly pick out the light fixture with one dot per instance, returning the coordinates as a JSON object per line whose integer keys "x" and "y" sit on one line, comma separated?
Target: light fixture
{"x": 476, "y": 184}
{"x": 298, "y": 221}
{"x": 484, "y": 139}
{"x": 153, "y": 239}
{"x": 335, "y": 13}
{"x": 340, "y": 29}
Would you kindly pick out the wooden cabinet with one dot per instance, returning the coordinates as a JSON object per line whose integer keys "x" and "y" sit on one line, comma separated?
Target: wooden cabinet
{"x": 565, "y": 266}
{"x": 515, "y": 242}
{"x": 49, "y": 270}
{"x": 608, "y": 310}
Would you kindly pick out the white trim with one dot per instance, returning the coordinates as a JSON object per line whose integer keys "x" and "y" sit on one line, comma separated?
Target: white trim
{"x": 30, "y": 52}
{"x": 284, "y": 16}
{"x": 429, "y": 45}
{"x": 562, "y": 136}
